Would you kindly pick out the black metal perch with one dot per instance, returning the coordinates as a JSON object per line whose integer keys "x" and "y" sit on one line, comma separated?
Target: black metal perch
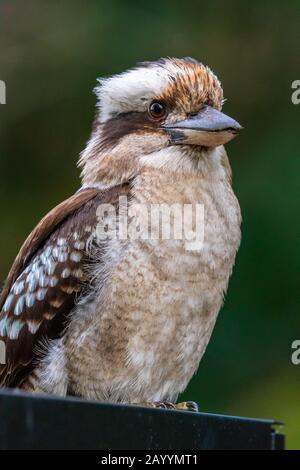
{"x": 46, "y": 422}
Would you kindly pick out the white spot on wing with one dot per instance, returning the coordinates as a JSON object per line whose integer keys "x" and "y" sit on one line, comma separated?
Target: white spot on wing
{"x": 79, "y": 245}
{"x": 56, "y": 251}
{"x": 48, "y": 251}
{"x": 14, "y": 329}
{"x": 30, "y": 299}
{"x": 68, "y": 289}
{"x": 66, "y": 273}
{"x": 56, "y": 303}
{"x": 50, "y": 267}
{"x": 62, "y": 258}
{"x": 18, "y": 287}
{"x": 61, "y": 242}
{"x": 44, "y": 258}
{"x": 48, "y": 263}
{"x": 41, "y": 293}
{"x": 75, "y": 256}
{"x": 31, "y": 277}
{"x": 8, "y": 303}
{"x": 53, "y": 281}
{"x": 19, "y": 305}
{"x": 3, "y": 326}
{"x": 33, "y": 326}
{"x": 77, "y": 273}
{"x": 33, "y": 285}
{"x": 49, "y": 316}
{"x": 44, "y": 280}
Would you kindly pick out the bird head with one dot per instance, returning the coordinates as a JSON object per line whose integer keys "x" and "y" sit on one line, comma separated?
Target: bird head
{"x": 152, "y": 110}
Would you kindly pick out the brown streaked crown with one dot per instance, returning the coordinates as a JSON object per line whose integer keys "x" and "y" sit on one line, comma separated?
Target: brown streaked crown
{"x": 191, "y": 85}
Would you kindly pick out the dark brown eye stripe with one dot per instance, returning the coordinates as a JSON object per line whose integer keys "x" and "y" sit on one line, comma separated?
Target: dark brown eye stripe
{"x": 124, "y": 124}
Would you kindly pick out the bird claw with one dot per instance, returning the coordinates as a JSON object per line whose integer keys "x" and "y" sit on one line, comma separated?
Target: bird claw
{"x": 166, "y": 405}
{"x": 187, "y": 406}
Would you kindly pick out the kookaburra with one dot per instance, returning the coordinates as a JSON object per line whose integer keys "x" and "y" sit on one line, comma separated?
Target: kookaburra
{"x": 127, "y": 320}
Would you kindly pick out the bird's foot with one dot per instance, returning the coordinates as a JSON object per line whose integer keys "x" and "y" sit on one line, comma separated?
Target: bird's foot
{"x": 166, "y": 405}
{"x": 187, "y": 406}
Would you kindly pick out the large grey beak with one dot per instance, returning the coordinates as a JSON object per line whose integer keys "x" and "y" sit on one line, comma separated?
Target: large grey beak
{"x": 208, "y": 128}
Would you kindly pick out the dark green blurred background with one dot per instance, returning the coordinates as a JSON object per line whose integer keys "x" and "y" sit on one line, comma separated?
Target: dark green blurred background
{"x": 51, "y": 53}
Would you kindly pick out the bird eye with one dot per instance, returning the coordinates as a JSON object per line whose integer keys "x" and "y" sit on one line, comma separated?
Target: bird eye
{"x": 157, "y": 110}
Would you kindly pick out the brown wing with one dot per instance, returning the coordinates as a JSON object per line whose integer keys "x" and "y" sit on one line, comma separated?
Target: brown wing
{"x": 46, "y": 277}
